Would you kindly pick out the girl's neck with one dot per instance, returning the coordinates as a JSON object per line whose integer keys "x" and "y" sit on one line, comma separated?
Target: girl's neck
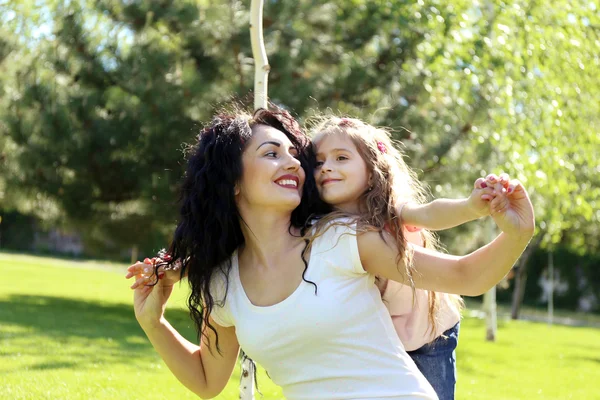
{"x": 350, "y": 208}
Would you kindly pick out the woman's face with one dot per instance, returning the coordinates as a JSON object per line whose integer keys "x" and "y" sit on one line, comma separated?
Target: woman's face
{"x": 272, "y": 176}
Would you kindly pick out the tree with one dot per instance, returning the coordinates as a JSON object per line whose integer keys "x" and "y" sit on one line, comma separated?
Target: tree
{"x": 107, "y": 90}
{"x": 106, "y": 95}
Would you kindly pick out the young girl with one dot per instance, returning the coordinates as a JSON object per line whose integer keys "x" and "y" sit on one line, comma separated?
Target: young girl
{"x": 350, "y": 153}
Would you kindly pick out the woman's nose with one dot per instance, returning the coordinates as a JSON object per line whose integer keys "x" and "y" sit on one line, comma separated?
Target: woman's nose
{"x": 293, "y": 163}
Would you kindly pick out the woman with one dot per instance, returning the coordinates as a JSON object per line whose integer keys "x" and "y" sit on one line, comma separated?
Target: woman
{"x": 311, "y": 316}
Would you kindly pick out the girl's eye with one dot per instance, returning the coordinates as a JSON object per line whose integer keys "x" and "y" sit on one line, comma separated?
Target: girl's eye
{"x": 318, "y": 164}
{"x": 342, "y": 158}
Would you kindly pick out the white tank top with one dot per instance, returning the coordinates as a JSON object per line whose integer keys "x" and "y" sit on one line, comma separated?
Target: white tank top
{"x": 337, "y": 344}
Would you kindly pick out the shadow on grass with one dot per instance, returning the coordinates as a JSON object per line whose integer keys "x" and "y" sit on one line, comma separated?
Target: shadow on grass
{"x": 87, "y": 332}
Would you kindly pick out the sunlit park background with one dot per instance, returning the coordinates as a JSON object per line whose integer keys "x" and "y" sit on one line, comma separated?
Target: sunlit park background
{"x": 97, "y": 99}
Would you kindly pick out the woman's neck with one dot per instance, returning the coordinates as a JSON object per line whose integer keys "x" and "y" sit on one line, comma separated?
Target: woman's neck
{"x": 267, "y": 236}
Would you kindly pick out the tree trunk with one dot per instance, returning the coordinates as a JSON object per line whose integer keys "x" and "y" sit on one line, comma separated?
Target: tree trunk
{"x": 247, "y": 373}
{"x": 521, "y": 276}
{"x": 134, "y": 254}
{"x": 491, "y": 322}
{"x": 261, "y": 76}
{"x": 489, "y": 298}
{"x": 259, "y": 53}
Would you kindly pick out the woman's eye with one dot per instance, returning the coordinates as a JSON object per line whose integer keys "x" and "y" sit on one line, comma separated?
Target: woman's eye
{"x": 271, "y": 154}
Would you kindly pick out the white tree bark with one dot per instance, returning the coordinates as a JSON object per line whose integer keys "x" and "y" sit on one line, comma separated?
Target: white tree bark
{"x": 259, "y": 53}
{"x": 261, "y": 76}
{"x": 247, "y": 379}
{"x": 491, "y": 324}
{"x": 489, "y": 299}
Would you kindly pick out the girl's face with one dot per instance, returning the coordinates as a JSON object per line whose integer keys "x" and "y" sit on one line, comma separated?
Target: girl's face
{"x": 272, "y": 176}
{"x": 341, "y": 173}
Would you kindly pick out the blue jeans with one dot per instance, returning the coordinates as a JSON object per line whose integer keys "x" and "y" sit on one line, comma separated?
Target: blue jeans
{"x": 437, "y": 361}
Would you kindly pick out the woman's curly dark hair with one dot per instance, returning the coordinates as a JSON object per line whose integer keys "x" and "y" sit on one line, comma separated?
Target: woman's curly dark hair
{"x": 209, "y": 229}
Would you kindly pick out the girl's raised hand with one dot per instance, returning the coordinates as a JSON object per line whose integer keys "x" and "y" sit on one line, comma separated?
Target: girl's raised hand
{"x": 479, "y": 200}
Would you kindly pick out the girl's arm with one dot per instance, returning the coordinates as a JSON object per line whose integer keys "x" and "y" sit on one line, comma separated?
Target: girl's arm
{"x": 443, "y": 214}
{"x": 202, "y": 369}
{"x": 469, "y": 275}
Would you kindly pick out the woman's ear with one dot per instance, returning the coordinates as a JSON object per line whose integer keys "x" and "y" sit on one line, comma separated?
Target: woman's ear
{"x": 236, "y": 189}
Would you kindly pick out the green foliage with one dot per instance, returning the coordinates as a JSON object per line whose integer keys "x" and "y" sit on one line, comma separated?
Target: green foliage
{"x": 97, "y": 97}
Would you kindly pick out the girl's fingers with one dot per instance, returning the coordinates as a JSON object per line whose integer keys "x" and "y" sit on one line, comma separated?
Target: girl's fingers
{"x": 492, "y": 178}
{"x": 497, "y": 188}
{"x": 487, "y": 194}
{"x": 499, "y": 204}
{"x": 480, "y": 184}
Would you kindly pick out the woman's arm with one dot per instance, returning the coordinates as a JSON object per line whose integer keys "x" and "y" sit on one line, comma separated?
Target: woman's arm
{"x": 443, "y": 214}
{"x": 469, "y": 275}
{"x": 202, "y": 369}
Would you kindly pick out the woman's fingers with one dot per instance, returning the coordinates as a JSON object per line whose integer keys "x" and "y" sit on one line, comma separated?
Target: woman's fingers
{"x": 141, "y": 280}
{"x": 514, "y": 186}
{"x": 146, "y": 268}
{"x": 139, "y": 268}
{"x": 504, "y": 179}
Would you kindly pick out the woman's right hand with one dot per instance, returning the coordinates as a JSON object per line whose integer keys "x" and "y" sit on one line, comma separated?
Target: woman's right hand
{"x": 150, "y": 299}
{"x": 144, "y": 272}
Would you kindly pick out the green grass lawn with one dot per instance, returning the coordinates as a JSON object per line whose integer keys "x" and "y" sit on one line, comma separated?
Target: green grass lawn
{"x": 67, "y": 331}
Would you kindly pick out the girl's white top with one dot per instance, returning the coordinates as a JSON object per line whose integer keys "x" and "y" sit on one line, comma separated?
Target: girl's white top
{"x": 338, "y": 343}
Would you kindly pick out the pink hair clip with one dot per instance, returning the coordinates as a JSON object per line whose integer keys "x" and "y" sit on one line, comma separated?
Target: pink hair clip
{"x": 381, "y": 147}
{"x": 346, "y": 122}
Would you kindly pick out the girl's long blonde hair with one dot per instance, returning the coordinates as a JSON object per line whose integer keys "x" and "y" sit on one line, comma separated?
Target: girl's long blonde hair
{"x": 392, "y": 183}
